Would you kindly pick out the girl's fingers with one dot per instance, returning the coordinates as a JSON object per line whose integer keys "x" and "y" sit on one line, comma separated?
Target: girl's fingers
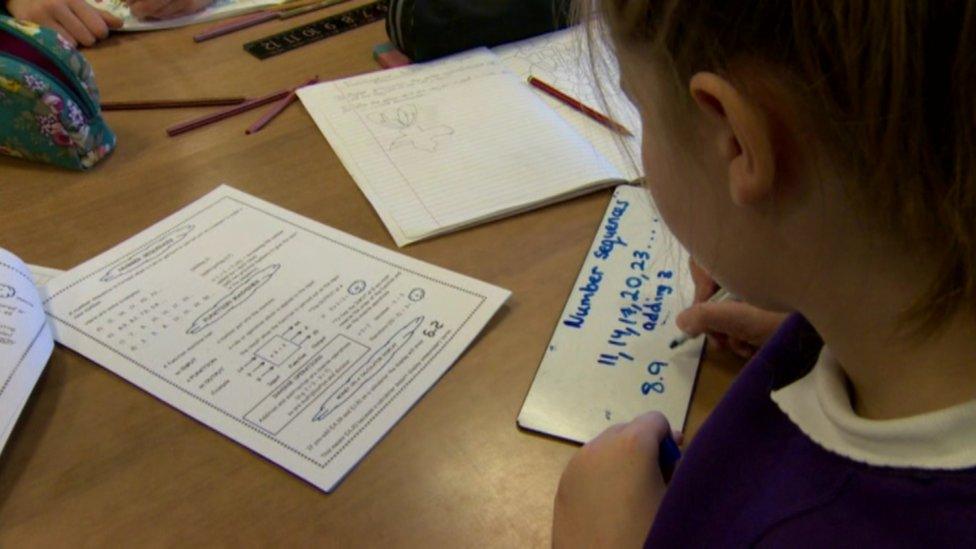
{"x": 736, "y": 319}
{"x": 90, "y": 18}
{"x": 650, "y": 428}
{"x": 75, "y": 28}
{"x": 171, "y": 9}
{"x": 180, "y": 8}
{"x": 720, "y": 340}
{"x": 193, "y": 6}
{"x": 166, "y": 9}
{"x": 704, "y": 285}
{"x": 110, "y": 19}
{"x": 53, "y": 25}
{"x": 679, "y": 437}
{"x": 741, "y": 348}
{"x": 147, "y": 8}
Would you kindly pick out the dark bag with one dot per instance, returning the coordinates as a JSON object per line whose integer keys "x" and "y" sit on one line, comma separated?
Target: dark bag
{"x": 427, "y": 29}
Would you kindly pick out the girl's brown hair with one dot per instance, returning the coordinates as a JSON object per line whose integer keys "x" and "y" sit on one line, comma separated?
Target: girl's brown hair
{"x": 891, "y": 85}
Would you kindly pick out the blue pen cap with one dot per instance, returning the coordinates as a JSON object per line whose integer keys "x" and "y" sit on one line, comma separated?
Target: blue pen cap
{"x": 668, "y": 455}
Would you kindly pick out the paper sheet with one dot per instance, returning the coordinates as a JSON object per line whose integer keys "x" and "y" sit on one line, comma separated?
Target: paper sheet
{"x": 444, "y": 145}
{"x": 564, "y": 60}
{"x": 609, "y": 359}
{"x": 43, "y": 275}
{"x": 219, "y": 9}
{"x": 298, "y": 341}
{"x": 25, "y": 340}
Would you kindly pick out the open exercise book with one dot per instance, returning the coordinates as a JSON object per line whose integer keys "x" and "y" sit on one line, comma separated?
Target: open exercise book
{"x": 25, "y": 337}
{"x": 303, "y": 343}
{"x": 219, "y": 9}
{"x": 459, "y": 141}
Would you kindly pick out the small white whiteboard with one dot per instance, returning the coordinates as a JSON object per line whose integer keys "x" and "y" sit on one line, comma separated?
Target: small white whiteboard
{"x": 609, "y": 358}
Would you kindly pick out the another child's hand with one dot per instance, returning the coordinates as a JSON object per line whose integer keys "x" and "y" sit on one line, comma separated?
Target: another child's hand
{"x": 610, "y": 491}
{"x": 166, "y": 9}
{"x": 741, "y": 327}
{"x": 76, "y": 20}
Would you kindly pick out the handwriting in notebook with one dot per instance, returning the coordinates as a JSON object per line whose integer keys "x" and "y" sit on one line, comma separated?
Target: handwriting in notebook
{"x": 588, "y": 73}
{"x": 444, "y": 145}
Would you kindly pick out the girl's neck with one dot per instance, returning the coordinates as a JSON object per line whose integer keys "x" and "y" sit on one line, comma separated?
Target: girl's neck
{"x": 894, "y": 373}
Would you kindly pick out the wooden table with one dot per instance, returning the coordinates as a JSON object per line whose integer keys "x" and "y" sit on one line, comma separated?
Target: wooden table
{"x": 97, "y": 462}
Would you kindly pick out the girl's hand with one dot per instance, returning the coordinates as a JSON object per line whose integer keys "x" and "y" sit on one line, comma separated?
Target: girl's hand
{"x": 165, "y": 9}
{"x": 610, "y": 491}
{"x": 738, "y": 326}
{"x": 76, "y": 21}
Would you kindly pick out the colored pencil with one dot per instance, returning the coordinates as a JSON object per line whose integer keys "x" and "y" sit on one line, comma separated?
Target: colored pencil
{"x": 278, "y": 107}
{"x": 291, "y": 4}
{"x": 285, "y": 11}
{"x": 302, "y": 10}
{"x": 171, "y": 103}
{"x": 579, "y": 106}
{"x": 235, "y": 25}
{"x": 184, "y": 127}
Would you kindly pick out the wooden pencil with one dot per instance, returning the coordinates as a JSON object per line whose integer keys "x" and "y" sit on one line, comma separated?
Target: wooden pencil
{"x": 184, "y": 127}
{"x": 278, "y": 107}
{"x": 579, "y": 106}
{"x": 171, "y": 103}
{"x": 284, "y": 11}
{"x": 308, "y": 8}
{"x": 235, "y": 25}
{"x": 292, "y": 5}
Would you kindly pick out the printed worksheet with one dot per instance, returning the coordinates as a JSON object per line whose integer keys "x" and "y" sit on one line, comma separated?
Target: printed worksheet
{"x": 565, "y": 60}
{"x": 25, "y": 340}
{"x": 42, "y": 275}
{"x": 298, "y": 341}
{"x": 610, "y": 358}
{"x": 218, "y": 9}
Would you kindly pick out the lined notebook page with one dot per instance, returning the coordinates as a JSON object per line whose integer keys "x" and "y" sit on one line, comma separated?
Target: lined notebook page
{"x": 562, "y": 59}
{"x": 441, "y": 146}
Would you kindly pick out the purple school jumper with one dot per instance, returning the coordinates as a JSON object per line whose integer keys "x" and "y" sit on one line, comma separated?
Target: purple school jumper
{"x": 753, "y": 478}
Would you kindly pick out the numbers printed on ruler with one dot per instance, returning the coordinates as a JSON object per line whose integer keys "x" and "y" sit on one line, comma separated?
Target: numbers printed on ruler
{"x": 286, "y": 41}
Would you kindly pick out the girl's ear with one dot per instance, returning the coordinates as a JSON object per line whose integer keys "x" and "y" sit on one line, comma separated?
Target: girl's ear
{"x": 743, "y": 138}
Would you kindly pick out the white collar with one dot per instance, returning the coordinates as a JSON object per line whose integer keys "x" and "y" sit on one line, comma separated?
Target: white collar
{"x": 820, "y": 406}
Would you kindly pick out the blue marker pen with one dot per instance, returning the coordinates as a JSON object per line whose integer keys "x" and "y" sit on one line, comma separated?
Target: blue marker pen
{"x": 668, "y": 456}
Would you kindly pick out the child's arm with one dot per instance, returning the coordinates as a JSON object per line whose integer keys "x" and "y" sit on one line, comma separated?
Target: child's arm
{"x": 611, "y": 489}
{"x": 741, "y": 327}
{"x": 166, "y": 9}
{"x": 76, "y": 20}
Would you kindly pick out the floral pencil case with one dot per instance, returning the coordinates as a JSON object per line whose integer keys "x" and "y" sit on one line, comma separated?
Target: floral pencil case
{"x": 49, "y": 109}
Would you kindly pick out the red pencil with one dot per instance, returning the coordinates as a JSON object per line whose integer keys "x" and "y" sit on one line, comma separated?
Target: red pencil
{"x": 280, "y": 106}
{"x": 227, "y": 113}
{"x": 235, "y": 25}
{"x": 579, "y": 106}
{"x": 171, "y": 103}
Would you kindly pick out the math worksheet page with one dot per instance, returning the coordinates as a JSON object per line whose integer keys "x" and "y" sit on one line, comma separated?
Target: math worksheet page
{"x": 25, "y": 340}
{"x": 299, "y": 341}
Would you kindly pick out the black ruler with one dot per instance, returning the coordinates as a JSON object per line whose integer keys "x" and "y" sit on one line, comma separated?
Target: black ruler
{"x": 277, "y": 44}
